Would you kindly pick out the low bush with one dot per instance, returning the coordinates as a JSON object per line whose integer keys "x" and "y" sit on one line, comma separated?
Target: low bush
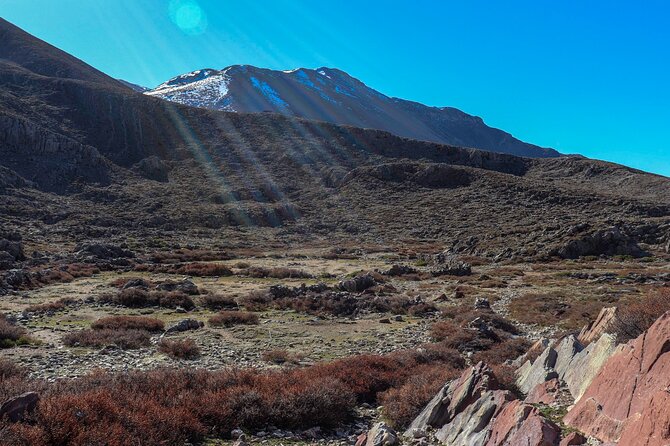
{"x": 179, "y": 349}
{"x": 231, "y": 318}
{"x": 51, "y": 307}
{"x": 205, "y": 270}
{"x": 11, "y": 335}
{"x": 123, "y": 338}
{"x": 150, "y": 324}
{"x": 218, "y": 302}
{"x": 139, "y": 298}
{"x": 275, "y": 273}
{"x": 10, "y": 370}
{"x": 281, "y": 356}
{"x": 256, "y": 301}
{"x": 402, "y": 404}
{"x": 636, "y": 317}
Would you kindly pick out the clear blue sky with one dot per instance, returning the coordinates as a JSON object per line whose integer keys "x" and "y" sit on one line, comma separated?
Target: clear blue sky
{"x": 589, "y": 77}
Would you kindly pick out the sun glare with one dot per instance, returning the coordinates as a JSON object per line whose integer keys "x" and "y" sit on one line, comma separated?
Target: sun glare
{"x": 188, "y": 16}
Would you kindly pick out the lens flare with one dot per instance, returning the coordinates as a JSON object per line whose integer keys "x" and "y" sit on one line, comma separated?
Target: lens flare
{"x": 188, "y": 16}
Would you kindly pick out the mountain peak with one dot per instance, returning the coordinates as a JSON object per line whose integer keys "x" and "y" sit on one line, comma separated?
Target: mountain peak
{"x": 332, "y": 95}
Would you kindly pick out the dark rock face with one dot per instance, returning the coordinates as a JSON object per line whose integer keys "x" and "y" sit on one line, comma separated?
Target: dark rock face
{"x": 16, "y": 409}
{"x": 185, "y": 325}
{"x": 152, "y": 168}
{"x": 604, "y": 242}
{"x": 11, "y": 249}
{"x": 185, "y": 286}
{"x": 103, "y": 251}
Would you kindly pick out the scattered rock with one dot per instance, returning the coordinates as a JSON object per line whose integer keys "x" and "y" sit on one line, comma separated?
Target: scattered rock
{"x": 482, "y": 303}
{"x": 544, "y": 393}
{"x": 185, "y": 286}
{"x": 400, "y": 270}
{"x": 450, "y": 266}
{"x": 103, "y": 251}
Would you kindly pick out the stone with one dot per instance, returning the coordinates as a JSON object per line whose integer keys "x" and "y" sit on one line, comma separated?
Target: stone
{"x": 632, "y": 384}
{"x": 381, "y": 435}
{"x": 400, "y": 270}
{"x": 541, "y": 370}
{"x": 470, "y": 426}
{"x": 586, "y": 364}
{"x": 603, "y": 323}
{"x": 17, "y": 408}
{"x": 482, "y": 303}
{"x": 185, "y": 325}
{"x": 544, "y": 393}
{"x": 358, "y": 284}
{"x": 451, "y": 266}
{"x": 519, "y": 423}
{"x": 103, "y": 251}
{"x": 573, "y": 439}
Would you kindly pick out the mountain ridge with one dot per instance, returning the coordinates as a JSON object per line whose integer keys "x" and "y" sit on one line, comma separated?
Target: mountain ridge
{"x": 332, "y": 95}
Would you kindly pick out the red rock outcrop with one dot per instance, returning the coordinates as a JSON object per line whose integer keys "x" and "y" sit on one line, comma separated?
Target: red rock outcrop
{"x": 519, "y": 423}
{"x": 628, "y": 400}
{"x": 600, "y": 326}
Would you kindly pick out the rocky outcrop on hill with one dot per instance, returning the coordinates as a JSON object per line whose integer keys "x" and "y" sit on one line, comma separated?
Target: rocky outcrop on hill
{"x": 628, "y": 401}
{"x": 569, "y": 362}
{"x": 473, "y": 410}
{"x": 608, "y": 242}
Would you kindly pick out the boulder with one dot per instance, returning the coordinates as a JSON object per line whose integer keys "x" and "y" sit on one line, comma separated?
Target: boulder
{"x": 185, "y": 325}
{"x": 358, "y": 284}
{"x": 603, "y": 323}
{"x": 185, "y": 286}
{"x": 453, "y": 397}
{"x": 544, "y": 393}
{"x": 400, "y": 270}
{"x": 103, "y": 251}
{"x": 16, "y": 409}
{"x": 541, "y": 370}
{"x": 450, "y": 265}
{"x": 381, "y": 435}
{"x": 470, "y": 426}
{"x": 573, "y": 439}
{"x": 519, "y": 423}
{"x": 627, "y": 400}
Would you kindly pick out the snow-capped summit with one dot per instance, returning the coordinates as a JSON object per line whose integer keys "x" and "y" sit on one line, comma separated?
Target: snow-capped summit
{"x": 330, "y": 94}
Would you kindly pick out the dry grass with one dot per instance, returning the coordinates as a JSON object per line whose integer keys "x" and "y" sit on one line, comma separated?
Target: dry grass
{"x": 636, "y": 317}
{"x": 275, "y": 273}
{"x": 51, "y": 307}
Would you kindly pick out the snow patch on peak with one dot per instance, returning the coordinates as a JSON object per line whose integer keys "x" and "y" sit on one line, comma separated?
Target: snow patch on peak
{"x": 269, "y": 93}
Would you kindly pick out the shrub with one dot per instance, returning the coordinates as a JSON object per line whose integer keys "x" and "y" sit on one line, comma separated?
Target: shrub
{"x": 402, "y": 404}
{"x": 281, "y": 356}
{"x": 231, "y": 318}
{"x": 12, "y": 335}
{"x": 124, "y": 339}
{"x": 139, "y": 298}
{"x": 218, "y": 302}
{"x": 129, "y": 323}
{"x": 256, "y": 301}
{"x": 179, "y": 349}
{"x": 50, "y": 307}
{"x": 9, "y": 370}
{"x": 205, "y": 269}
{"x": 633, "y": 319}
{"x": 276, "y": 273}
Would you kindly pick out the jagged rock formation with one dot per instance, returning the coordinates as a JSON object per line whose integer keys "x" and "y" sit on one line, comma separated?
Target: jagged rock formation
{"x": 603, "y": 324}
{"x": 473, "y": 410}
{"x": 628, "y": 400}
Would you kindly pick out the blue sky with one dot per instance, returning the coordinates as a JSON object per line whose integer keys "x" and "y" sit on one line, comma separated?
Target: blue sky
{"x": 589, "y": 77}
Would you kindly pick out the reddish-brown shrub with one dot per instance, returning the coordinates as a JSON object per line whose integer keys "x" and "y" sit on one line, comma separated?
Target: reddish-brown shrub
{"x": 281, "y": 356}
{"x": 172, "y": 299}
{"x": 139, "y": 298}
{"x": 129, "y": 323}
{"x": 231, "y": 318}
{"x": 12, "y": 335}
{"x": 179, "y": 349}
{"x": 402, "y": 404}
{"x": 256, "y": 301}
{"x": 275, "y": 273}
{"x": 633, "y": 319}
{"x": 218, "y": 302}
{"x": 124, "y": 339}
{"x": 205, "y": 269}
{"x": 9, "y": 370}
{"x": 50, "y": 307}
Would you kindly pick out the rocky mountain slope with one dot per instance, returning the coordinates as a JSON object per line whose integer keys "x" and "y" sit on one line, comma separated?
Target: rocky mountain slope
{"x": 331, "y": 95}
{"x": 85, "y": 156}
